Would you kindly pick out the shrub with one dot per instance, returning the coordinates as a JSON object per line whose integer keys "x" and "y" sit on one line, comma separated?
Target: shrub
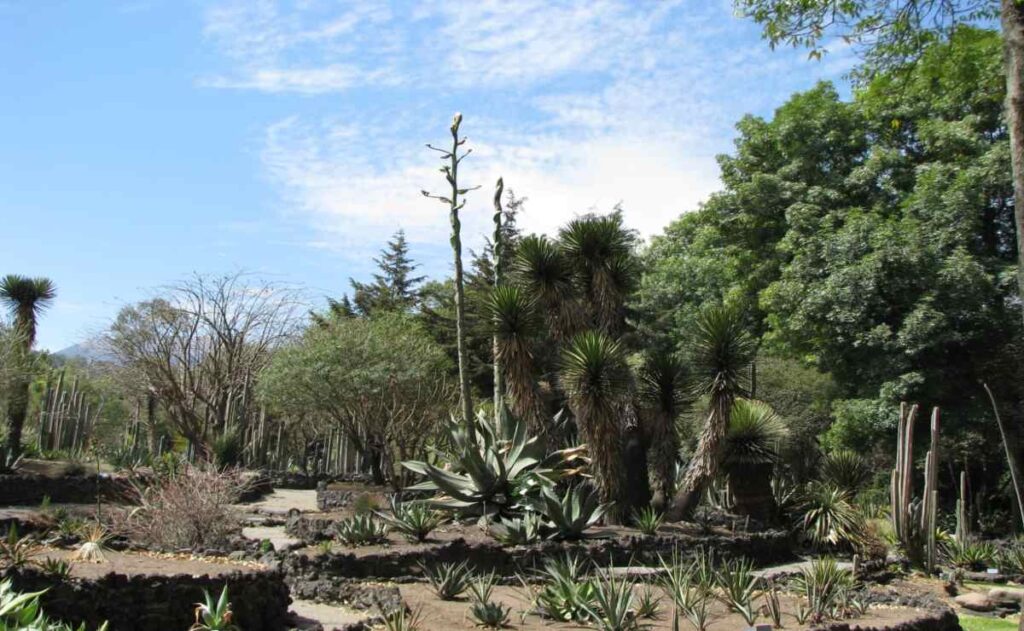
{"x": 188, "y": 508}
{"x": 972, "y": 555}
{"x": 227, "y": 449}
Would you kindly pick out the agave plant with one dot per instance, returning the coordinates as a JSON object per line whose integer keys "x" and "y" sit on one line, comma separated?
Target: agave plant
{"x": 739, "y": 587}
{"x": 822, "y": 583}
{"x": 490, "y": 615}
{"x": 22, "y": 612}
{"x": 403, "y": 619}
{"x": 518, "y": 531}
{"x": 647, "y": 521}
{"x": 414, "y": 520}
{"x": 571, "y": 514}
{"x": 17, "y": 551}
{"x": 449, "y": 580}
{"x": 566, "y": 594}
{"x": 57, "y": 568}
{"x": 361, "y": 530}
{"x": 214, "y": 615}
{"x": 495, "y": 466}
{"x": 612, "y": 607}
{"x": 969, "y": 555}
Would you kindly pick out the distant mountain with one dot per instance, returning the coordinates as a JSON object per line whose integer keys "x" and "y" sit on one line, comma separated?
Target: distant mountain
{"x": 87, "y": 351}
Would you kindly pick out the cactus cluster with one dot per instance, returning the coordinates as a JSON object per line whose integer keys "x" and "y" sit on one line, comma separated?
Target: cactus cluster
{"x": 913, "y": 519}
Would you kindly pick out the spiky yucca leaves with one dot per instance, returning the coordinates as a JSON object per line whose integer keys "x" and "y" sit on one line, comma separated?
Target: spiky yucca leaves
{"x": 449, "y": 580}
{"x": 26, "y": 298}
{"x": 494, "y": 465}
{"x": 829, "y": 518}
{"x": 822, "y": 583}
{"x": 612, "y": 607}
{"x": 566, "y": 593}
{"x": 647, "y": 520}
{"x": 722, "y": 351}
{"x": 602, "y": 253}
{"x": 542, "y": 269}
{"x": 752, "y": 445}
{"x": 846, "y": 469}
{"x": 516, "y": 327}
{"x": 595, "y": 378}
{"x": 571, "y": 514}
{"x": 661, "y": 385}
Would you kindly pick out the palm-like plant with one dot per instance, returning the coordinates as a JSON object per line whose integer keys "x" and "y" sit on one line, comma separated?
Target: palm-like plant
{"x": 751, "y": 450}
{"x": 661, "y": 382}
{"x": 846, "y": 469}
{"x": 722, "y": 351}
{"x": 829, "y": 519}
{"x": 542, "y": 269}
{"x": 516, "y": 326}
{"x": 595, "y": 377}
{"x": 601, "y": 252}
{"x": 26, "y": 298}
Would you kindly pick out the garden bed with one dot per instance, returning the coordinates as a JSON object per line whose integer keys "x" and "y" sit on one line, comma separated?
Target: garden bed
{"x": 335, "y": 495}
{"x": 148, "y": 592}
{"x": 621, "y": 546}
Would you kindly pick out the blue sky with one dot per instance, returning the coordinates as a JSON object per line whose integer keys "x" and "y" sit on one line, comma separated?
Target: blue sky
{"x": 145, "y": 140}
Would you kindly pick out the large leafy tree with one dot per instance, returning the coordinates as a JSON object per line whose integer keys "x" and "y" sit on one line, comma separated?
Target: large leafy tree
{"x": 382, "y": 381}
{"x": 26, "y": 298}
{"x": 897, "y": 31}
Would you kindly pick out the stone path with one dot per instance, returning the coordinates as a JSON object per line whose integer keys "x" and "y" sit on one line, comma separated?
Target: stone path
{"x": 330, "y": 616}
{"x": 275, "y": 534}
{"x": 281, "y": 501}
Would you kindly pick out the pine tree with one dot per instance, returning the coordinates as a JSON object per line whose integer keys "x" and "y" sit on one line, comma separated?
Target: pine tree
{"x": 394, "y": 288}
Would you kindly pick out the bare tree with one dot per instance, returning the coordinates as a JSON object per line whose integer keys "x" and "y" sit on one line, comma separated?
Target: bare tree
{"x": 201, "y": 345}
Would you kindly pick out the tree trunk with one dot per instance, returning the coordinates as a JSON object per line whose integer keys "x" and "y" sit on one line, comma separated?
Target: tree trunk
{"x": 17, "y": 410}
{"x": 751, "y": 489}
{"x": 151, "y": 429}
{"x": 664, "y": 446}
{"x": 1012, "y": 20}
{"x": 704, "y": 465}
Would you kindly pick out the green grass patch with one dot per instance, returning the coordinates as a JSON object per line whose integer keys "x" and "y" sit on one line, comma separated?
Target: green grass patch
{"x": 982, "y": 623}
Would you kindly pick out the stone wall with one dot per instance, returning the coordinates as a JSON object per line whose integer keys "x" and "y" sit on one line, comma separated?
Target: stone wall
{"x": 259, "y": 600}
{"x": 944, "y": 620}
{"x": 506, "y": 561}
{"x": 28, "y": 489}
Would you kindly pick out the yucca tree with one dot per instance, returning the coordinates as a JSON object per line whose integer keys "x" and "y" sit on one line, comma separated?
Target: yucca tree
{"x": 752, "y": 445}
{"x": 595, "y": 377}
{"x": 722, "y": 352}
{"x": 601, "y": 252}
{"x": 542, "y": 269}
{"x": 662, "y": 381}
{"x": 516, "y": 327}
{"x": 26, "y": 298}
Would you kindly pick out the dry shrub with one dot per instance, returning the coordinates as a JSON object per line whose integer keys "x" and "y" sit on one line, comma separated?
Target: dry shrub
{"x": 190, "y": 508}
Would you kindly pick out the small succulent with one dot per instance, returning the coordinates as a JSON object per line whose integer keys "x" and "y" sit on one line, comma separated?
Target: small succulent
{"x": 571, "y": 514}
{"x": 647, "y": 520}
{"x": 403, "y": 619}
{"x": 490, "y": 615}
{"x": 17, "y": 551}
{"x": 361, "y": 530}
{"x": 449, "y": 580}
{"x": 414, "y": 520}
{"x": 57, "y": 568}
{"x": 519, "y": 530}
{"x": 214, "y": 615}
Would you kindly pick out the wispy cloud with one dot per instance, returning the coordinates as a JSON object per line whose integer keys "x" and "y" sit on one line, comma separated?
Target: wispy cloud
{"x": 578, "y": 104}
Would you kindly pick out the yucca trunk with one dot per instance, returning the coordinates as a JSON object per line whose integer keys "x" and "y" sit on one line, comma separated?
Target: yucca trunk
{"x": 706, "y": 459}
{"x": 600, "y": 428}
{"x": 664, "y": 449}
{"x": 525, "y": 398}
{"x": 750, "y": 486}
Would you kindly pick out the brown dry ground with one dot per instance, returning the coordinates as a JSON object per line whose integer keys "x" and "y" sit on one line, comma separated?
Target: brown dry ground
{"x": 454, "y": 615}
{"x": 135, "y": 563}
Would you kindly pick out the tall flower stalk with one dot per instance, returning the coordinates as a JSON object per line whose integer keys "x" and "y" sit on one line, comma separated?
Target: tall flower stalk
{"x": 455, "y": 202}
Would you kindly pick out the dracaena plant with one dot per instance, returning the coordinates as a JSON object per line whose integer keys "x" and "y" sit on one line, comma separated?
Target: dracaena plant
{"x": 572, "y": 513}
{"x": 493, "y": 467}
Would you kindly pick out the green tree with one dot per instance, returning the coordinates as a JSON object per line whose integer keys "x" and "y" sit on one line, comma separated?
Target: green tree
{"x": 898, "y": 31}
{"x": 382, "y": 381}
{"x": 394, "y": 288}
{"x": 26, "y": 298}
